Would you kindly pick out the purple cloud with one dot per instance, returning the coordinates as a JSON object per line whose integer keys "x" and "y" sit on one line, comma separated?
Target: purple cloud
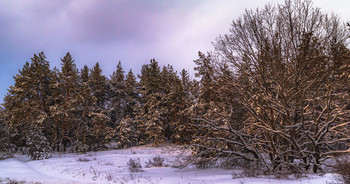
{"x": 106, "y": 31}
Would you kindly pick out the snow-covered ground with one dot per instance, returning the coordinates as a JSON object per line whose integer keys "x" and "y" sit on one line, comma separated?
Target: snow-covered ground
{"x": 111, "y": 167}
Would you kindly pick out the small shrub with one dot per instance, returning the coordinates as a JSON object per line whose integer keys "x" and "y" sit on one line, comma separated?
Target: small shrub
{"x": 83, "y": 159}
{"x": 109, "y": 177}
{"x": 81, "y": 147}
{"x": 342, "y": 168}
{"x": 224, "y": 163}
{"x": 180, "y": 164}
{"x": 293, "y": 173}
{"x": 90, "y": 155}
{"x": 204, "y": 163}
{"x": 254, "y": 170}
{"x": 10, "y": 181}
{"x": 134, "y": 165}
{"x": 250, "y": 171}
{"x": 230, "y": 163}
{"x": 236, "y": 175}
{"x": 108, "y": 163}
{"x": 155, "y": 162}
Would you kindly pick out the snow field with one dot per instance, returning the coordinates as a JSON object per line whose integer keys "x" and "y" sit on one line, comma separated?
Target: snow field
{"x": 111, "y": 167}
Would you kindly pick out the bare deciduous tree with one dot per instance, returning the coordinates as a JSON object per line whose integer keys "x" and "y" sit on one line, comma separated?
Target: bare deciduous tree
{"x": 288, "y": 65}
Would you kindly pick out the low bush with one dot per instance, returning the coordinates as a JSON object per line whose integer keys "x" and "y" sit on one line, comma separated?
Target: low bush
{"x": 179, "y": 163}
{"x": 10, "y": 181}
{"x": 254, "y": 170}
{"x": 155, "y": 162}
{"x": 204, "y": 163}
{"x": 224, "y": 163}
{"x": 83, "y": 159}
{"x": 134, "y": 165}
{"x": 342, "y": 168}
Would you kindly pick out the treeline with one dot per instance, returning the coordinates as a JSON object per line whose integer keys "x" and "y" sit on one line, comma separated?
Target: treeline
{"x": 274, "y": 93}
{"x": 83, "y": 110}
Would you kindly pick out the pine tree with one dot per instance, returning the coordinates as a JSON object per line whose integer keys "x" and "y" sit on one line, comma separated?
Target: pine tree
{"x": 205, "y": 108}
{"x": 183, "y": 99}
{"x": 84, "y": 74}
{"x": 98, "y": 83}
{"x": 65, "y": 111}
{"x": 139, "y": 119}
{"x": 171, "y": 101}
{"x": 117, "y": 96}
{"x": 186, "y": 83}
{"x": 151, "y": 95}
{"x": 100, "y": 132}
{"x": 27, "y": 101}
{"x": 205, "y": 71}
{"x": 57, "y": 110}
{"x": 38, "y": 147}
{"x": 16, "y": 106}
{"x": 163, "y": 101}
{"x": 127, "y": 132}
{"x": 6, "y": 147}
{"x": 86, "y": 105}
{"x": 132, "y": 94}
{"x": 124, "y": 96}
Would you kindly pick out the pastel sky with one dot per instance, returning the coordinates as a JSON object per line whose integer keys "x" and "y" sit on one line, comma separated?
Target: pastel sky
{"x": 108, "y": 31}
